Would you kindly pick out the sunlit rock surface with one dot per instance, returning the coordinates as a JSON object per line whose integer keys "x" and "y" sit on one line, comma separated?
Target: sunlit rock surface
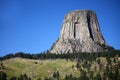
{"x": 80, "y": 32}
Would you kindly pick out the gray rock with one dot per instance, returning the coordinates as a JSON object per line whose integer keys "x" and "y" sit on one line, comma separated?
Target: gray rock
{"x": 80, "y": 33}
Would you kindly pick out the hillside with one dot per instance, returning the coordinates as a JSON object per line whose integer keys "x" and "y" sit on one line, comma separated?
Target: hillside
{"x": 38, "y": 68}
{"x": 81, "y": 66}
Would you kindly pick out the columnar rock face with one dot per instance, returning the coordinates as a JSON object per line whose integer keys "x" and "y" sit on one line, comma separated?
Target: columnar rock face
{"x": 80, "y": 33}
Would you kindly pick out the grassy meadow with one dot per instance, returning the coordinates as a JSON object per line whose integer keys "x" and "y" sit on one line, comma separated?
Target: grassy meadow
{"x": 38, "y": 68}
{"x": 86, "y": 68}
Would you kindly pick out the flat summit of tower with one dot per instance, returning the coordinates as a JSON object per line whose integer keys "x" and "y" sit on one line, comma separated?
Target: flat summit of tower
{"x": 80, "y": 32}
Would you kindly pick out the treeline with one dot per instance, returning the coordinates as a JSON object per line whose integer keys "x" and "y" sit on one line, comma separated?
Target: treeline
{"x": 89, "y": 65}
{"x": 71, "y": 56}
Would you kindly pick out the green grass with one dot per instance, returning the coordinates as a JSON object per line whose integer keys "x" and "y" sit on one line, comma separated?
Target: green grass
{"x": 41, "y": 68}
{"x": 18, "y": 66}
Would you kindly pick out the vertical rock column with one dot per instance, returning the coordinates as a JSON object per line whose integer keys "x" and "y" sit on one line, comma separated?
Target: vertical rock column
{"x": 80, "y": 32}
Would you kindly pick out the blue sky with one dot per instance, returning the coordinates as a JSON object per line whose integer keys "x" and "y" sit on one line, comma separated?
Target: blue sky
{"x": 32, "y": 26}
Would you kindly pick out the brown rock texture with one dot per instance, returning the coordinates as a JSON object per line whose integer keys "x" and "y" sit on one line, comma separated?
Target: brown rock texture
{"x": 80, "y": 33}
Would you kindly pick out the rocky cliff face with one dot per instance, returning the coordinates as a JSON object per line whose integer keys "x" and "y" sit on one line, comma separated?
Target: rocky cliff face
{"x": 80, "y": 33}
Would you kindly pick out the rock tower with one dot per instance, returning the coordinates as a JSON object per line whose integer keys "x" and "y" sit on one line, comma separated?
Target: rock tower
{"x": 80, "y": 33}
